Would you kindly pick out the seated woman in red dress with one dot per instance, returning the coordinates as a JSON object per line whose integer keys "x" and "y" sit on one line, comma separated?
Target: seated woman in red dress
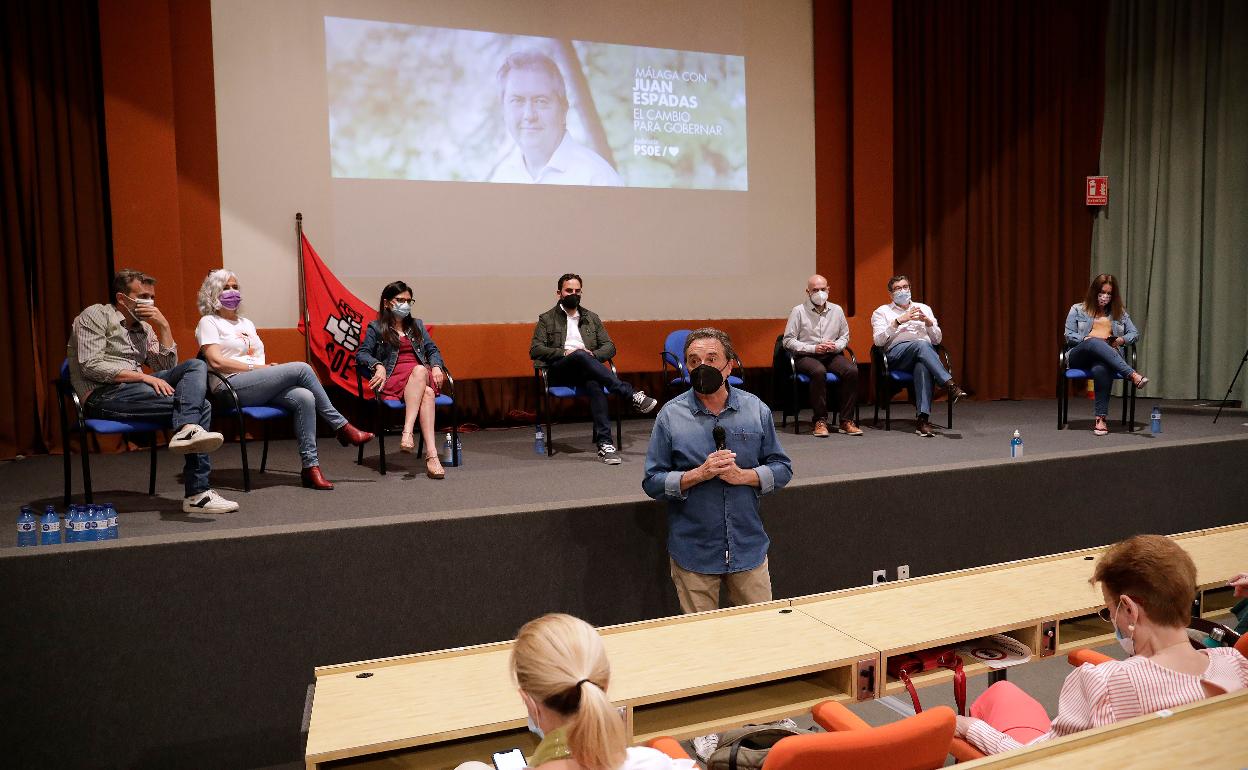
{"x": 1148, "y": 583}
{"x": 401, "y": 361}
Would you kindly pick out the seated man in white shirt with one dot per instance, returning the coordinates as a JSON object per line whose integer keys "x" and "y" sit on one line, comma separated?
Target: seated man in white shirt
{"x": 571, "y": 342}
{"x": 535, "y": 112}
{"x": 909, "y": 332}
{"x": 817, "y": 334}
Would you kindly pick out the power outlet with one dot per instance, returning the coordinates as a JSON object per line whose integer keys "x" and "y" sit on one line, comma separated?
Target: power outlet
{"x": 878, "y": 576}
{"x": 903, "y": 572}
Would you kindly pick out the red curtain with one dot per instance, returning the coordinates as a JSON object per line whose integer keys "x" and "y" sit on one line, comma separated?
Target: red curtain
{"x": 53, "y": 223}
{"x": 998, "y": 109}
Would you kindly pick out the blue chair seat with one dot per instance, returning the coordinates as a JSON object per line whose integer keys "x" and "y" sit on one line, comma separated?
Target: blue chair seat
{"x": 901, "y": 376}
{"x": 260, "y": 412}
{"x": 113, "y": 427}
{"x": 805, "y": 379}
{"x": 439, "y": 400}
{"x": 566, "y": 391}
{"x": 1084, "y": 374}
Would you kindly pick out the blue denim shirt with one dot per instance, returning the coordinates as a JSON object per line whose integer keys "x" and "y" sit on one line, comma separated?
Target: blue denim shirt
{"x": 713, "y": 527}
{"x": 1079, "y": 323}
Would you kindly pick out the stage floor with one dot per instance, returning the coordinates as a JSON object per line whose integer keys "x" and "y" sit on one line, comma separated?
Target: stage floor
{"x": 501, "y": 472}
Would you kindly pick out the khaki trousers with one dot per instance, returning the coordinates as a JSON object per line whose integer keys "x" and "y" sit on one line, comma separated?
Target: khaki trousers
{"x": 698, "y": 592}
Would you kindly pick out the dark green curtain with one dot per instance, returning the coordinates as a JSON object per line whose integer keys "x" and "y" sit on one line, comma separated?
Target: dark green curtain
{"x": 1175, "y": 148}
{"x": 53, "y": 219}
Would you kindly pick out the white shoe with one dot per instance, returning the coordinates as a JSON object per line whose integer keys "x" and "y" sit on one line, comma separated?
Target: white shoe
{"x": 208, "y": 501}
{"x": 643, "y": 403}
{"x": 704, "y": 746}
{"x": 194, "y": 440}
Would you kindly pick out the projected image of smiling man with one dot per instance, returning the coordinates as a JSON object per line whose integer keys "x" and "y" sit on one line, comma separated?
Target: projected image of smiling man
{"x": 535, "y": 111}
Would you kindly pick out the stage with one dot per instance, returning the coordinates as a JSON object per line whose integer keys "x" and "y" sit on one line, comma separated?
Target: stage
{"x": 201, "y": 631}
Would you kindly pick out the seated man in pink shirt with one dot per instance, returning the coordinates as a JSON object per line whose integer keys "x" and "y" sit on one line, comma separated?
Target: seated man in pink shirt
{"x": 1148, "y": 583}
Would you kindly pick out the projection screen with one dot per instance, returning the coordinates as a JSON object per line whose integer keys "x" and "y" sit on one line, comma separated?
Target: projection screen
{"x": 477, "y": 150}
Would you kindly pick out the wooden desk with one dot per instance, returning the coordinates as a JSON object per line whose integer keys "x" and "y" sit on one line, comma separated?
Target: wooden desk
{"x": 1046, "y": 603}
{"x": 1208, "y": 735}
{"x": 691, "y": 675}
{"x": 681, "y": 676}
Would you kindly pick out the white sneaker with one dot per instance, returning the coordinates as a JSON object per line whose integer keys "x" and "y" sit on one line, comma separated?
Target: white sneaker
{"x": 208, "y": 501}
{"x": 643, "y": 403}
{"x": 194, "y": 440}
{"x": 704, "y": 746}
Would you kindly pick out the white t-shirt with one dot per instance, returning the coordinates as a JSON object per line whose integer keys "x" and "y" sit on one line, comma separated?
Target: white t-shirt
{"x": 238, "y": 338}
{"x": 574, "y": 340}
{"x": 571, "y": 163}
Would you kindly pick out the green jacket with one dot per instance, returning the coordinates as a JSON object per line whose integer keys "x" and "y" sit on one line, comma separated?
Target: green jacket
{"x": 552, "y": 330}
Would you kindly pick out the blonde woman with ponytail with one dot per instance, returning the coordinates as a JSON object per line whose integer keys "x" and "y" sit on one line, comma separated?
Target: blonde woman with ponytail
{"x": 561, "y": 668}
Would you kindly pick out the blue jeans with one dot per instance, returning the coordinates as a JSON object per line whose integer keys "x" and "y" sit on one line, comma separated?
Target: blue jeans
{"x": 919, "y": 358}
{"x": 291, "y": 386}
{"x": 188, "y": 405}
{"x": 1102, "y": 361}
{"x": 580, "y": 368}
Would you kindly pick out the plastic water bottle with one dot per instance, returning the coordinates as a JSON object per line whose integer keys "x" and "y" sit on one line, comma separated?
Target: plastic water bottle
{"x": 1155, "y": 419}
{"x": 447, "y": 449}
{"x": 110, "y": 513}
{"x": 49, "y": 527}
{"x": 539, "y": 441}
{"x": 88, "y": 519}
{"x": 1016, "y": 446}
{"x": 71, "y": 514}
{"x": 27, "y": 528}
{"x": 96, "y": 524}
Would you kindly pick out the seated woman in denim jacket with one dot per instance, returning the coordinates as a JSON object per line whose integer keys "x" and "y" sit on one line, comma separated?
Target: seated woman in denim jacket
{"x": 232, "y": 348}
{"x": 401, "y": 361}
{"x": 1098, "y": 328}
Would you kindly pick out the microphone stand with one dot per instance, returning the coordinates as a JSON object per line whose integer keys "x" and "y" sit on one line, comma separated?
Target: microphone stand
{"x": 1231, "y": 386}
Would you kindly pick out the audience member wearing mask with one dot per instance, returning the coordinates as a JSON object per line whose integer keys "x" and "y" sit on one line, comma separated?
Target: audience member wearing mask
{"x": 571, "y": 342}
{"x": 713, "y": 454}
{"x": 1148, "y": 583}
{"x": 908, "y": 331}
{"x": 817, "y": 334}
{"x": 559, "y": 664}
{"x": 1098, "y": 328}
{"x": 108, "y": 347}
{"x": 400, "y": 361}
{"x": 233, "y": 349}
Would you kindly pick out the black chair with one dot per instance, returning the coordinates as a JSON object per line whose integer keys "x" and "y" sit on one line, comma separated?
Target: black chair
{"x": 382, "y": 408}
{"x": 889, "y": 381}
{"x": 84, "y": 426}
{"x": 1066, "y": 373}
{"x": 546, "y": 392}
{"x": 784, "y": 363}
{"x": 227, "y": 398}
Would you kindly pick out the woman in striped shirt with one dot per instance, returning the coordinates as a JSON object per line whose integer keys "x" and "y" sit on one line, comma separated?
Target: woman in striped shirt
{"x": 1148, "y": 583}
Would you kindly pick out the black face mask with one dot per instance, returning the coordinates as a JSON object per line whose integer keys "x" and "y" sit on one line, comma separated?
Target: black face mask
{"x": 706, "y": 379}
{"x": 570, "y": 301}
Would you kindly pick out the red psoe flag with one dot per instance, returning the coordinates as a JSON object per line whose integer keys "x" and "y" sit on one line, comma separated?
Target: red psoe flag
{"x": 336, "y": 320}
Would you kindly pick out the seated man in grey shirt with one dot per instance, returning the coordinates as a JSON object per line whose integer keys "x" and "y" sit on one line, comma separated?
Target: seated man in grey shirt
{"x": 817, "y": 335}
{"x": 108, "y": 347}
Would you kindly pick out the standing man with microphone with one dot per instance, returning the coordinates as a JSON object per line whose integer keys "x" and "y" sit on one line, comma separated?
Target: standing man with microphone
{"x": 713, "y": 453}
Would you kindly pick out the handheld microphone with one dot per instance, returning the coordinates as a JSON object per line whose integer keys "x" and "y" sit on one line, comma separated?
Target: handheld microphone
{"x": 721, "y": 438}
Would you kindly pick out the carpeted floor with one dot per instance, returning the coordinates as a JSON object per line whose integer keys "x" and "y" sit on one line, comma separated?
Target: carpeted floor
{"x": 501, "y": 469}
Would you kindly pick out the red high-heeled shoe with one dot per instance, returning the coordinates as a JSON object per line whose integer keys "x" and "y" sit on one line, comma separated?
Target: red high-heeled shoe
{"x": 312, "y": 478}
{"x": 349, "y": 435}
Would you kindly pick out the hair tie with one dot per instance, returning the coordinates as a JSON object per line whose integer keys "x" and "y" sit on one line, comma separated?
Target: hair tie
{"x": 583, "y": 681}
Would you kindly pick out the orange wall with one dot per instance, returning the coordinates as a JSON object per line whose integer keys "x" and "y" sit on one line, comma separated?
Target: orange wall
{"x": 162, "y": 162}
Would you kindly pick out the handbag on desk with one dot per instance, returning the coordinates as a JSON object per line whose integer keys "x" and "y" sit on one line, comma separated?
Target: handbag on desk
{"x": 903, "y": 666}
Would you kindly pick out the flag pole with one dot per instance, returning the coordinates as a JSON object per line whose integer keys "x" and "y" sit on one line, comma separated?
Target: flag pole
{"x": 303, "y": 290}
